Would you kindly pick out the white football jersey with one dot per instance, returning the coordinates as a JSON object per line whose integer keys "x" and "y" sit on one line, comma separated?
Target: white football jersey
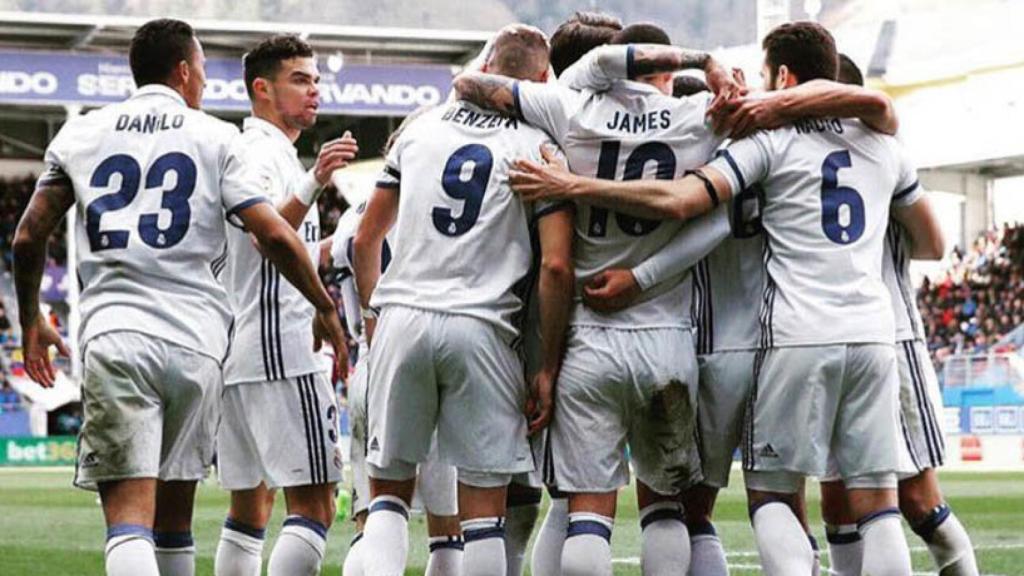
{"x": 630, "y": 132}
{"x": 896, "y": 274}
{"x": 828, "y": 185}
{"x": 462, "y": 242}
{"x": 729, "y": 283}
{"x": 341, "y": 260}
{"x": 154, "y": 181}
{"x": 273, "y": 331}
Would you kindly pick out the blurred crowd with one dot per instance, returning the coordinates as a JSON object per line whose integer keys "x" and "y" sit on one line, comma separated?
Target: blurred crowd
{"x": 14, "y": 197}
{"x": 979, "y": 299}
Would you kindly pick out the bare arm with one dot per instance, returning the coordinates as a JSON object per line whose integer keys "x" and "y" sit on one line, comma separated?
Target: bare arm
{"x": 922, "y": 224}
{"x": 48, "y": 205}
{"x": 488, "y": 91}
{"x": 818, "y": 98}
{"x": 367, "y": 244}
{"x": 555, "y": 292}
{"x": 658, "y": 199}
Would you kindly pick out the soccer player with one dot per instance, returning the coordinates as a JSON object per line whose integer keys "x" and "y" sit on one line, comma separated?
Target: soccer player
{"x": 628, "y": 377}
{"x": 153, "y": 179}
{"x": 920, "y": 496}
{"x": 825, "y": 378}
{"x": 436, "y": 482}
{"x": 272, "y": 373}
{"x": 443, "y": 356}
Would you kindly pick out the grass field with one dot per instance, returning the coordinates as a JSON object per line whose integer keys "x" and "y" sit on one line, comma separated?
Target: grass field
{"x": 48, "y": 528}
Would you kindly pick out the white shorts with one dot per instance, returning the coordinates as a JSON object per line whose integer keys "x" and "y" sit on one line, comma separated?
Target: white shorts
{"x": 922, "y": 444}
{"x": 150, "y": 409}
{"x": 619, "y": 387}
{"x": 726, "y": 379}
{"x": 452, "y": 374}
{"x": 357, "y": 450}
{"x": 811, "y": 401}
{"x": 283, "y": 433}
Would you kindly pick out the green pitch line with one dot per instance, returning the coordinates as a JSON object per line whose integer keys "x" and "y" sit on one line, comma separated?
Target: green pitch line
{"x": 49, "y": 528}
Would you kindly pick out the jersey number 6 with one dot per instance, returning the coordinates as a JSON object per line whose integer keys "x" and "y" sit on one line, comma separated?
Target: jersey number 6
{"x": 834, "y": 197}
{"x": 174, "y": 200}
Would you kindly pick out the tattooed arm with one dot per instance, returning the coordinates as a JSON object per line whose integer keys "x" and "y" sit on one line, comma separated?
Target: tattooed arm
{"x": 51, "y": 200}
{"x": 488, "y": 91}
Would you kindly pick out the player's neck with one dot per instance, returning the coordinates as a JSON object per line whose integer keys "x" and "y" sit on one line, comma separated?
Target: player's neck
{"x": 277, "y": 120}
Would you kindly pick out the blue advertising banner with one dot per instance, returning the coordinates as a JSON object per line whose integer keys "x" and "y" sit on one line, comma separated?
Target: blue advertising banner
{"x": 52, "y": 78}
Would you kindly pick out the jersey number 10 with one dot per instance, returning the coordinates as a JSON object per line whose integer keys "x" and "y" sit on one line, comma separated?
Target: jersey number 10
{"x": 657, "y": 152}
{"x": 174, "y": 200}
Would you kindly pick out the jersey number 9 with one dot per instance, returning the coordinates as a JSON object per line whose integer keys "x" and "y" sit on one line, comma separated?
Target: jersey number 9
{"x": 468, "y": 187}
{"x": 174, "y": 200}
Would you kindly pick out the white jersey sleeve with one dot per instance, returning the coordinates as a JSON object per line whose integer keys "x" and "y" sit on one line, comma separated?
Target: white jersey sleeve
{"x": 546, "y": 106}
{"x": 599, "y": 69}
{"x": 690, "y": 244}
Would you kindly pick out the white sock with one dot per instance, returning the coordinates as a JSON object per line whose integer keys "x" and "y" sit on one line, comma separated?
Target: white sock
{"x": 175, "y": 553}
{"x": 547, "y": 550}
{"x": 707, "y": 557}
{"x": 885, "y": 548}
{"x": 445, "y": 556}
{"x": 353, "y": 565}
{"x": 948, "y": 542}
{"x": 587, "y": 550}
{"x": 385, "y": 545}
{"x": 781, "y": 541}
{"x": 485, "y": 547}
{"x": 845, "y": 549}
{"x": 240, "y": 550}
{"x": 519, "y": 520}
{"x": 129, "y": 551}
{"x": 299, "y": 550}
{"x": 665, "y": 543}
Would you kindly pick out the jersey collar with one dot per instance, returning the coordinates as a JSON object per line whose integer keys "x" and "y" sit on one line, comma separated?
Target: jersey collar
{"x": 161, "y": 90}
{"x": 254, "y": 123}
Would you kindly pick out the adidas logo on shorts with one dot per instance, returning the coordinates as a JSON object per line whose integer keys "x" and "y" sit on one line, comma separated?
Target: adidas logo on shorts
{"x": 374, "y": 445}
{"x": 768, "y": 452}
{"x": 91, "y": 459}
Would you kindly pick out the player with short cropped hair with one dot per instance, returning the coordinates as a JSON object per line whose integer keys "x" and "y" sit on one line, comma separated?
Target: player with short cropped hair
{"x": 578, "y": 35}
{"x": 272, "y": 373}
{"x": 154, "y": 180}
{"x": 436, "y": 482}
{"x": 827, "y": 388}
{"x": 443, "y": 354}
{"x": 628, "y": 377}
{"x": 920, "y": 497}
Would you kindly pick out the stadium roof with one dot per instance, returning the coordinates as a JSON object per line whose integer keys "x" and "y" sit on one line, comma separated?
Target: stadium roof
{"x": 88, "y": 33}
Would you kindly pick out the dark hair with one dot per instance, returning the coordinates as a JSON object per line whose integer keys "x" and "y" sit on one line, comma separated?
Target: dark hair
{"x": 520, "y": 52}
{"x": 807, "y": 49}
{"x": 157, "y": 47}
{"x": 688, "y": 86}
{"x": 264, "y": 61}
{"x": 849, "y": 73}
{"x": 643, "y": 33}
{"x": 581, "y": 33}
